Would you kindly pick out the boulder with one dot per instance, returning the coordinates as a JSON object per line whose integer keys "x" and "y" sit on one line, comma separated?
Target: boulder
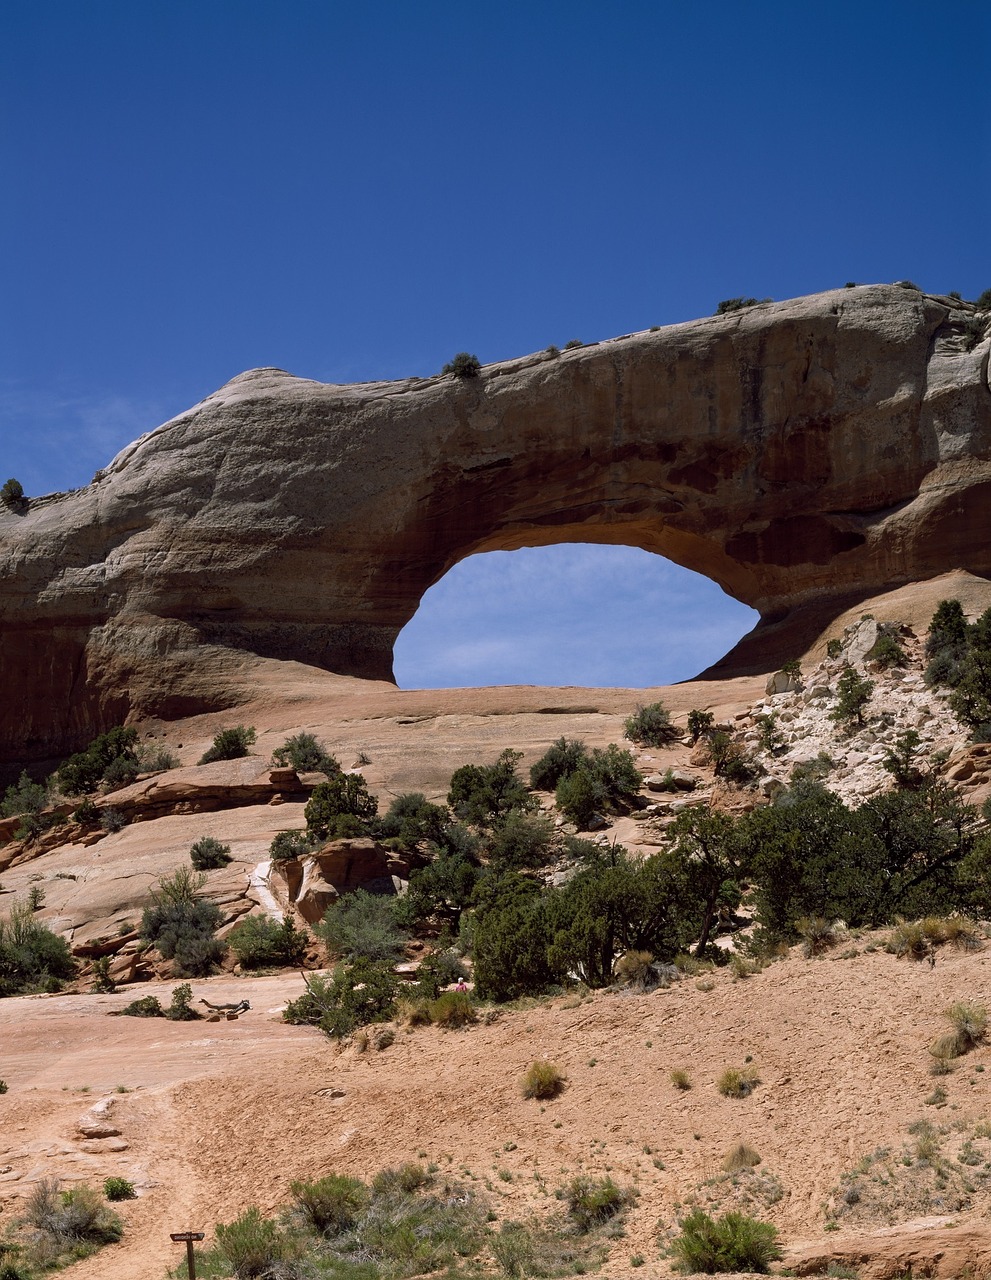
{"x": 314, "y": 882}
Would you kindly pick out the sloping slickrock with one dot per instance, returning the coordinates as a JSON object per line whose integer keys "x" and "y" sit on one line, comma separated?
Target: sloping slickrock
{"x": 801, "y": 454}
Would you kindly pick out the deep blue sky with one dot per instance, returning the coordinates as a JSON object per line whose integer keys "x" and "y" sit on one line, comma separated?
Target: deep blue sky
{"x": 358, "y": 191}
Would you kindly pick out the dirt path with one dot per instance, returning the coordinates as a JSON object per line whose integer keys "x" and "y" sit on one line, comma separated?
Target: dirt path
{"x": 223, "y": 1115}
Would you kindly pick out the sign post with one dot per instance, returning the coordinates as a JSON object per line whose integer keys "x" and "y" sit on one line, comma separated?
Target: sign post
{"x": 189, "y": 1237}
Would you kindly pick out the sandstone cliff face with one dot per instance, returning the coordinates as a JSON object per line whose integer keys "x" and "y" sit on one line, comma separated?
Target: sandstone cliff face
{"x": 800, "y": 454}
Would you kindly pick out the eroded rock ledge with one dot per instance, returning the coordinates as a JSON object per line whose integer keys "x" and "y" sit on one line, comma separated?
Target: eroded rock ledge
{"x": 802, "y": 454}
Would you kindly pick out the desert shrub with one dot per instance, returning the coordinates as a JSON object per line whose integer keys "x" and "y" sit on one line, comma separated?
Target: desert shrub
{"x": 853, "y": 694}
{"x": 119, "y": 1189}
{"x": 156, "y": 759}
{"x": 768, "y": 734}
{"x": 340, "y": 807}
{"x": 409, "y": 1228}
{"x": 464, "y": 365}
{"x": 356, "y": 994}
{"x": 260, "y": 942}
{"x": 699, "y": 723}
{"x": 573, "y": 343}
{"x": 24, "y": 797}
{"x": 514, "y": 1250}
{"x": 606, "y": 778}
{"x": 180, "y": 1007}
{"x": 331, "y": 1205}
{"x": 909, "y": 938}
{"x": 729, "y": 305}
{"x": 521, "y": 840}
{"x": 309, "y": 1008}
{"x": 77, "y": 1214}
{"x": 442, "y": 889}
{"x": 11, "y": 493}
{"x": 543, "y": 1079}
{"x": 738, "y": 1082}
{"x": 635, "y": 968}
{"x": 479, "y": 794}
{"x": 561, "y": 757}
{"x": 181, "y": 925}
{"x": 87, "y": 814}
{"x": 31, "y": 955}
{"x": 362, "y": 924}
{"x": 82, "y": 773}
{"x": 731, "y": 1243}
{"x": 229, "y": 744}
{"x": 650, "y": 725}
{"x": 145, "y": 1007}
{"x": 592, "y": 1201}
{"x": 256, "y": 1248}
{"x": 292, "y": 844}
{"x": 739, "y": 1157}
{"x": 112, "y": 820}
{"x": 412, "y": 819}
{"x": 887, "y": 652}
{"x": 834, "y": 648}
{"x": 103, "y": 983}
{"x": 453, "y": 1009}
{"x": 120, "y": 772}
{"x": 899, "y": 760}
{"x": 3, "y": 1086}
{"x": 509, "y": 938}
{"x": 207, "y": 854}
{"x": 817, "y": 934}
{"x": 729, "y": 759}
{"x": 970, "y": 1022}
{"x": 681, "y": 1079}
{"x": 304, "y": 753}
{"x": 580, "y": 796}
{"x": 947, "y": 632}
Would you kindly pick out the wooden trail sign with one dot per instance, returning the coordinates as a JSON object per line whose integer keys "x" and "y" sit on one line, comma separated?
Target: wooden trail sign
{"x": 188, "y": 1237}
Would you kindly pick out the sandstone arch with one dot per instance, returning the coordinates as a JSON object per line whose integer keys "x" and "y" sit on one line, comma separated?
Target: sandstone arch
{"x": 798, "y": 453}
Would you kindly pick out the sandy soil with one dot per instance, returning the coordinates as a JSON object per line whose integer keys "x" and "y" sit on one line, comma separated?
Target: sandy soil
{"x": 218, "y": 1116}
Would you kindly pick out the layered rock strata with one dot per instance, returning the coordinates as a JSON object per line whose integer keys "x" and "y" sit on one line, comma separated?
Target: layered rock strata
{"x": 801, "y": 454}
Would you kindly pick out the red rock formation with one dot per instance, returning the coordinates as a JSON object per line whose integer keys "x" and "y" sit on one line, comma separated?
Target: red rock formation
{"x": 801, "y": 454}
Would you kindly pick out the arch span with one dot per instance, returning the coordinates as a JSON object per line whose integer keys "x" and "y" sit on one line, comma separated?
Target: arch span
{"x": 798, "y": 453}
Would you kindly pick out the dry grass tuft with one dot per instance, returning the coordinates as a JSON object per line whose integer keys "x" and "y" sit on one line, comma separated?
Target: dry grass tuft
{"x": 739, "y": 1158}
{"x": 738, "y": 1082}
{"x": 634, "y": 968}
{"x": 970, "y": 1024}
{"x": 681, "y": 1079}
{"x": 543, "y": 1079}
{"x": 818, "y": 935}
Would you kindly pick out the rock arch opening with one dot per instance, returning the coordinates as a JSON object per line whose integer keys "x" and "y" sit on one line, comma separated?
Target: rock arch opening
{"x": 568, "y": 614}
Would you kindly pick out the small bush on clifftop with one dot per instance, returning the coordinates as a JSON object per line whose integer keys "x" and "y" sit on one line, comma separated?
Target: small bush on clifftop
{"x": 12, "y": 493}
{"x": 464, "y": 365}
